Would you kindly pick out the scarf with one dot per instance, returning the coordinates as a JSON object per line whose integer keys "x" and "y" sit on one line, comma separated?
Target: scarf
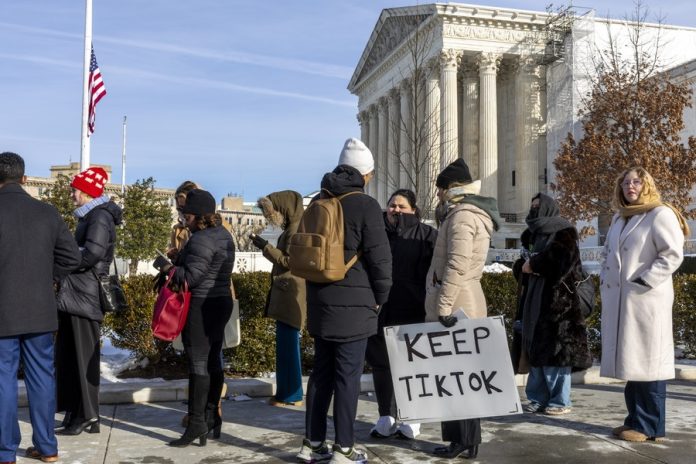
{"x": 469, "y": 194}
{"x": 83, "y": 210}
{"x": 649, "y": 202}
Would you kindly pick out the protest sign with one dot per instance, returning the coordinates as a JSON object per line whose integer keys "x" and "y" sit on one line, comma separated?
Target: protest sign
{"x": 460, "y": 372}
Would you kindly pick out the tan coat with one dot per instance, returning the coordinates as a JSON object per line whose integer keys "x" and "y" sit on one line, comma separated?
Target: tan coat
{"x": 637, "y": 341}
{"x": 454, "y": 277}
{"x": 287, "y": 298}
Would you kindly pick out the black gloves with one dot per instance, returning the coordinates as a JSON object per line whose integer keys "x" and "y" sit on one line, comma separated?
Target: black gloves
{"x": 258, "y": 241}
{"x": 447, "y": 321}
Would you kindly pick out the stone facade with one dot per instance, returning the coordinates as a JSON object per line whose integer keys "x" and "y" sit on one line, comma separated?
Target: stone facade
{"x": 498, "y": 87}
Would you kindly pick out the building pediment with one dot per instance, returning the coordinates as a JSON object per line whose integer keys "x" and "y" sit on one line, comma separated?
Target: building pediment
{"x": 393, "y": 27}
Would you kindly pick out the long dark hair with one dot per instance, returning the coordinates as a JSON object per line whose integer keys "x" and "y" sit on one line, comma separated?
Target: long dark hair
{"x": 208, "y": 221}
{"x": 410, "y": 197}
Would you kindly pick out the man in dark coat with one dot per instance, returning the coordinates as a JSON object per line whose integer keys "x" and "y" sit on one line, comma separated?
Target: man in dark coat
{"x": 342, "y": 315}
{"x": 36, "y": 248}
{"x": 554, "y": 333}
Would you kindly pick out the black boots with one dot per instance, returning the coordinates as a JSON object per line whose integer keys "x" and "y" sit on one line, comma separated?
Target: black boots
{"x": 454, "y": 450}
{"x": 197, "y": 428}
{"x": 212, "y": 413}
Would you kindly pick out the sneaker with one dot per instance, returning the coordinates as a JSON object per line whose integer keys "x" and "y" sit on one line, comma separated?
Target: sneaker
{"x": 352, "y": 455}
{"x": 309, "y": 454}
{"x": 557, "y": 410}
{"x": 384, "y": 428}
{"x": 407, "y": 431}
{"x": 616, "y": 431}
{"x": 533, "y": 407}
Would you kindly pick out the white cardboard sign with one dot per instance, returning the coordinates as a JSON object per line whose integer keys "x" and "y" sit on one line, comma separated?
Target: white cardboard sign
{"x": 460, "y": 372}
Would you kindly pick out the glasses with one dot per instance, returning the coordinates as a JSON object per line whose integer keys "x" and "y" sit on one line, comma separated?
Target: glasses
{"x": 632, "y": 182}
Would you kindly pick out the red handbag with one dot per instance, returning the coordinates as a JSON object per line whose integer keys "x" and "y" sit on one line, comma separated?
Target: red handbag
{"x": 171, "y": 309}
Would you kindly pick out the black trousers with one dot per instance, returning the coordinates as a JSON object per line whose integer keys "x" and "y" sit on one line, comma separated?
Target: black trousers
{"x": 466, "y": 432}
{"x": 77, "y": 366}
{"x": 203, "y": 333}
{"x": 337, "y": 370}
{"x": 377, "y": 357}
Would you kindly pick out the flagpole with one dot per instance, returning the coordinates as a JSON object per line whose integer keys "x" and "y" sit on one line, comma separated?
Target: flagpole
{"x": 84, "y": 146}
{"x": 123, "y": 160}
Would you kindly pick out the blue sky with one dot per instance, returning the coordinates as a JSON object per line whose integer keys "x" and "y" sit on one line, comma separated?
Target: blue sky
{"x": 243, "y": 97}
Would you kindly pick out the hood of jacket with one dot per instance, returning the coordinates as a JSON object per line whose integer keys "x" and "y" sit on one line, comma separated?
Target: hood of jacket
{"x": 342, "y": 180}
{"x": 287, "y": 204}
{"x": 114, "y": 210}
{"x": 487, "y": 205}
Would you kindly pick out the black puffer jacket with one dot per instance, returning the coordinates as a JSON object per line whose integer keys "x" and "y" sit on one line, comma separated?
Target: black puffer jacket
{"x": 95, "y": 234}
{"x": 412, "y": 244}
{"x": 206, "y": 263}
{"x": 345, "y": 310}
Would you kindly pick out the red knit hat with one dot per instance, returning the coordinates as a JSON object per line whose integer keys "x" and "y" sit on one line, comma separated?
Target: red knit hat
{"x": 91, "y": 181}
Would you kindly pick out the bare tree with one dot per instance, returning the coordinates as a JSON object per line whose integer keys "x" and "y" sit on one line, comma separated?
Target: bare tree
{"x": 415, "y": 159}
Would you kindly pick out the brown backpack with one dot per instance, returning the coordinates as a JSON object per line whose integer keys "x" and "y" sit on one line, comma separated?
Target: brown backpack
{"x": 316, "y": 249}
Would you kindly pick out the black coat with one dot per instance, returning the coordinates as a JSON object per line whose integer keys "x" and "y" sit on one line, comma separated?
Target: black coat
{"x": 206, "y": 263}
{"x": 345, "y": 310}
{"x": 36, "y": 248}
{"x": 559, "y": 333}
{"x": 412, "y": 244}
{"x": 95, "y": 234}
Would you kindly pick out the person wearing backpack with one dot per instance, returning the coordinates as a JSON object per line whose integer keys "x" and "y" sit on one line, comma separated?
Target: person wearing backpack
{"x": 342, "y": 314}
{"x": 554, "y": 332}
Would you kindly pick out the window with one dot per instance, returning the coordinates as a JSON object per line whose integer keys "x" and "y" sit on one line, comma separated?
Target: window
{"x": 513, "y": 177}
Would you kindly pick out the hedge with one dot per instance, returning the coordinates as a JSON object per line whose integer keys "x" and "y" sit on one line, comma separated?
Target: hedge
{"x": 256, "y": 354}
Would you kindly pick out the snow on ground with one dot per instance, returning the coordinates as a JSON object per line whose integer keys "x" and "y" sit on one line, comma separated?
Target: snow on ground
{"x": 115, "y": 360}
{"x": 496, "y": 268}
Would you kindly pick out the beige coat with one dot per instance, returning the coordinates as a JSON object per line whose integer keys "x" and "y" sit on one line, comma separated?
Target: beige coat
{"x": 637, "y": 341}
{"x": 454, "y": 277}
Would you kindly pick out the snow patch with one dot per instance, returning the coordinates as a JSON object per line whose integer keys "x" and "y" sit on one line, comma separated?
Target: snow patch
{"x": 496, "y": 268}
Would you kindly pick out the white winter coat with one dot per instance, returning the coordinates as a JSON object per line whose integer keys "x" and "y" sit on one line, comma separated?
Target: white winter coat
{"x": 637, "y": 341}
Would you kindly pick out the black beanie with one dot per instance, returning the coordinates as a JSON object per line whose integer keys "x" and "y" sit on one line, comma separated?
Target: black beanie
{"x": 199, "y": 202}
{"x": 457, "y": 171}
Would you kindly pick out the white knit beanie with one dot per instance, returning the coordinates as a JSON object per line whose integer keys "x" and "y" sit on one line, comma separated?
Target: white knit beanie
{"x": 357, "y": 155}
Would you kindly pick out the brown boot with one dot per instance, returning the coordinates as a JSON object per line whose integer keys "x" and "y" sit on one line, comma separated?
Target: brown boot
{"x": 633, "y": 435}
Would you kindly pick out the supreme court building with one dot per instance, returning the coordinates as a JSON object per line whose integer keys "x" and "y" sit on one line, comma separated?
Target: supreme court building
{"x": 498, "y": 87}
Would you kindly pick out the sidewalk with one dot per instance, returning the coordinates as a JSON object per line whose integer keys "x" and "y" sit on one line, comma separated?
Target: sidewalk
{"x": 254, "y": 432}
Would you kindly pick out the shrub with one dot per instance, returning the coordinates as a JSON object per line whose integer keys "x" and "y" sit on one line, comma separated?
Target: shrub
{"x": 131, "y": 330}
{"x": 256, "y": 354}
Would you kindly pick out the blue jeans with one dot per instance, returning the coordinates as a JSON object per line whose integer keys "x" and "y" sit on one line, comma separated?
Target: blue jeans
{"x": 36, "y": 351}
{"x": 288, "y": 364}
{"x": 549, "y": 386}
{"x": 646, "y": 403}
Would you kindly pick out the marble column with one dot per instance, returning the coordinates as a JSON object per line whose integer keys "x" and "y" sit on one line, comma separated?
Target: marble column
{"x": 431, "y": 160}
{"x": 383, "y": 174}
{"x": 405, "y": 137}
{"x": 393, "y": 142}
{"x": 364, "y": 121}
{"x": 470, "y": 115}
{"x": 488, "y": 141}
{"x": 449, "y": 129}
{"x": 373, "y": 132}
{"x": 527, "y": 111}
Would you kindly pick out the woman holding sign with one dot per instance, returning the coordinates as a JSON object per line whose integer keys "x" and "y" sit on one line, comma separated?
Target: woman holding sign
{"x": 467, "y": 222}
{"x": 411, "y": 244}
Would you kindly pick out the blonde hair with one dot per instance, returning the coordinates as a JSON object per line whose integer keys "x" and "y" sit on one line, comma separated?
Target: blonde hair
{"x": 648, "y": 193}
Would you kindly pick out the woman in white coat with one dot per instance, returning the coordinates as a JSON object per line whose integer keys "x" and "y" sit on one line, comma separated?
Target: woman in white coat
{"x": 644, "y": 246}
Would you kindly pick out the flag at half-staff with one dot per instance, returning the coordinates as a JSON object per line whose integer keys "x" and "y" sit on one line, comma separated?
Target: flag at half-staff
{"x": 96, "y": 90}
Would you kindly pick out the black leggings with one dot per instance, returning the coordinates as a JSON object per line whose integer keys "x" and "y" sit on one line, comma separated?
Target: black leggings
{"x": 203, "y": 333}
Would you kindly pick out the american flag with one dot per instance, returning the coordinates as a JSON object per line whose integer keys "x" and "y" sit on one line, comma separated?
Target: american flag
{"x": 95, "y": 88}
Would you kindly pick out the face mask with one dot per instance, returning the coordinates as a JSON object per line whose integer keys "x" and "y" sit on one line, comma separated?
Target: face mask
{"x": 533, "y": 213}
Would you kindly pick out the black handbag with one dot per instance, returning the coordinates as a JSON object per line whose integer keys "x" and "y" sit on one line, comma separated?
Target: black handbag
{"x": 112, "y": 298}
{"x": 584, "y": 288}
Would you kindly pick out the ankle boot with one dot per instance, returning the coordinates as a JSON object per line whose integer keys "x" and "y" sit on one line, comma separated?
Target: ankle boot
{"x": 197, "y": 428}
